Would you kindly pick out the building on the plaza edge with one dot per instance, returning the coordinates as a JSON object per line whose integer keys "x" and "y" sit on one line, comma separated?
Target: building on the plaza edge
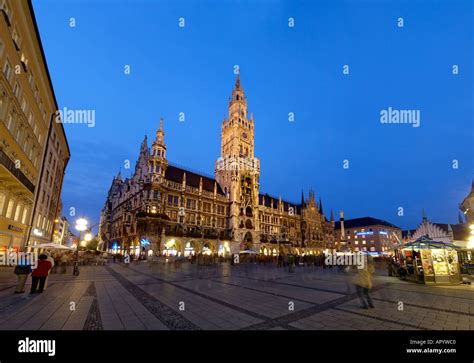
{"x": 367, "y": 234}
{"x": 61, "y": 231}
{"x": 163, "y": 208}
{"x": 33, "y": 148}
{"x": 467, "y": 206}
{"x": 457, "y": 234}
{"x": 444, "y": 232}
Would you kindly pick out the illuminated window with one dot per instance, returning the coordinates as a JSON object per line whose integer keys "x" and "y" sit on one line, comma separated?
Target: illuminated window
{"x": 24, "y": 105}
{"x": 17, "y": 90}
{"x": 25, "y": 213}
{"x": 2, "y": 202}
{"x": 16, "y": 37}
{"x": 9, "y": 213}
{"x": 7, "y": 70}
{"x": 18, "y": 212}
{"x": 10, "y": 122}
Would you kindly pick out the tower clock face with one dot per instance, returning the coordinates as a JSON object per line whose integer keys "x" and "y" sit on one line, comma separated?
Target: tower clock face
{"x": 244, "y": 135}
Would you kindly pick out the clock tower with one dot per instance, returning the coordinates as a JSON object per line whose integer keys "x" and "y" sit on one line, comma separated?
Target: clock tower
{"x": 238, "y": 171}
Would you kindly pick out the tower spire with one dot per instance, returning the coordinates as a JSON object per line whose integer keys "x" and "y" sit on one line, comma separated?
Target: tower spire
{"x": 460, "y": 218}
{"x": 144, "y": 143}
{"x": 237, "y": 81}
{"x": 160, "y": 133}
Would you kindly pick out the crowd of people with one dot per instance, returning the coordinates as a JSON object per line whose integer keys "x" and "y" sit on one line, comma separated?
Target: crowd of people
{"x": 59, "y": 261}
{"x": 39, "y": 274}
{"x": 52, "y": 263}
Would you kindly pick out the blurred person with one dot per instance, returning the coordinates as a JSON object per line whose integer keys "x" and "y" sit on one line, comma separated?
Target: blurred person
{"x": 22, "y": 272}
{"x": 63, "y": 261}
{"x": 51, "y": 260}
{"x": 363, "y": 283}
{"x": 40, "y": 274}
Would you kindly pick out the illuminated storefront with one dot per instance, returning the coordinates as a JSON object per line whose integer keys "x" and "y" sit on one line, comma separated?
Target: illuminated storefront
{"x": 11, "y": 237}
{"x": 189, "y": 250}
{"x": 170, "y": 248}
{"x": 431, "y": 262}
{"x": 224, "y": 249}
{"x": 206, "y": 250}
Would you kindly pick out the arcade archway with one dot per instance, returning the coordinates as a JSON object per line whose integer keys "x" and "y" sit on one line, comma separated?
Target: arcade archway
{"x": 247, "y": 242}
{"x": 171, "y": 248}
{"x": 190, "y": 248}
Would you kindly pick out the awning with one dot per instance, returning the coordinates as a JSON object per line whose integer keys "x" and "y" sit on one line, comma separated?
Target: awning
{"x": 51, "y": 246}
{"x": 249, "y": 252}
{"x": 425, "y": 242}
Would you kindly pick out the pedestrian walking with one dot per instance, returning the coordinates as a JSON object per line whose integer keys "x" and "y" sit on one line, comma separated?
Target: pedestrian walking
{"x": 363, "y": 283}
{"x": 39, "y": 274}
{"x": 51, "y": 260}
{"x": 63, "y": 261}
{"x": 22, "y": 272}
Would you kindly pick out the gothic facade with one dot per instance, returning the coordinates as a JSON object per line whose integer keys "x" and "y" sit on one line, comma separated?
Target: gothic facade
{"x": 163, "y": 208}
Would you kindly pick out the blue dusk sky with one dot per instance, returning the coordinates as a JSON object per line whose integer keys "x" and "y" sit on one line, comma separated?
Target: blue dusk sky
{"x": 284, "y": 69}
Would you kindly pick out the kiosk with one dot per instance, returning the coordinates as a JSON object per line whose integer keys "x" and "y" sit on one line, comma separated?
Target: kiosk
{"x": 431, "y": 262}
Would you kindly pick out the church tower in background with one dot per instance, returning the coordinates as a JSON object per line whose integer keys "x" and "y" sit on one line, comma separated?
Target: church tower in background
{"x": 238, "y": 171}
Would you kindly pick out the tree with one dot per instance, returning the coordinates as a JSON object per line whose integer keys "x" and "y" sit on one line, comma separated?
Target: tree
{"x": 92, "y": 244}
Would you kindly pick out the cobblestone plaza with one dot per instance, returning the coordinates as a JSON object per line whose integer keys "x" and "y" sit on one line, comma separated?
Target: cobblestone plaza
{"x": 224, "y": 297}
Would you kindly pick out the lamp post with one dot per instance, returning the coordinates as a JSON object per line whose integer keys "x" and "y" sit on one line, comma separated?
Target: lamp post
{"x": 470, "y": 243}
{"x": 81, "y": 226}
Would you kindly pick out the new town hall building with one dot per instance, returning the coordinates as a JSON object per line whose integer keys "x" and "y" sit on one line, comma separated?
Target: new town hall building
{"x": 165, "y": 209}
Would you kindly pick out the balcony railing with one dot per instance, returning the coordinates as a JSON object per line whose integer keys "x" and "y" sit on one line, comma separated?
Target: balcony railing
{"x": 10, "y": 166}
{"x": 5, "y": 16}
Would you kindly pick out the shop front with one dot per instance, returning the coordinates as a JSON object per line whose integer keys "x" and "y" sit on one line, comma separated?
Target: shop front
{"x": 11, "y": 237}
{"x": 466, "y": 260}
{"x": 430, "y": 262}
{"x": 171, "y": 248}
{"x": 224, "y": 249}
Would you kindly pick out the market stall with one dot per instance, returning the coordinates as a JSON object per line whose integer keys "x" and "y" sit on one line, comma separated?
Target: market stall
{"x": 431, "y": 262}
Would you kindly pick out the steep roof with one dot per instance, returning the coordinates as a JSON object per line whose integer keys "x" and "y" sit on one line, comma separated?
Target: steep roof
{"x": 363, "y": 222}
{"x": 175, "y": 174}
{"x": 460, "y": 231}
{"x": 286, "y": 204}
{"x": 408, "y": 232}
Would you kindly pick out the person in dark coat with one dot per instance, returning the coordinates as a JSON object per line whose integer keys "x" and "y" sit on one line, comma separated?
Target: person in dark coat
{"x": 40, "y": 273}
{"x": 22, "y": 272}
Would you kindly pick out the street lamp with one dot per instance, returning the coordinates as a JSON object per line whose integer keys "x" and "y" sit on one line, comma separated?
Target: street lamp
{"x": 470, "y": 243}
{"x": 81, "y": 226}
